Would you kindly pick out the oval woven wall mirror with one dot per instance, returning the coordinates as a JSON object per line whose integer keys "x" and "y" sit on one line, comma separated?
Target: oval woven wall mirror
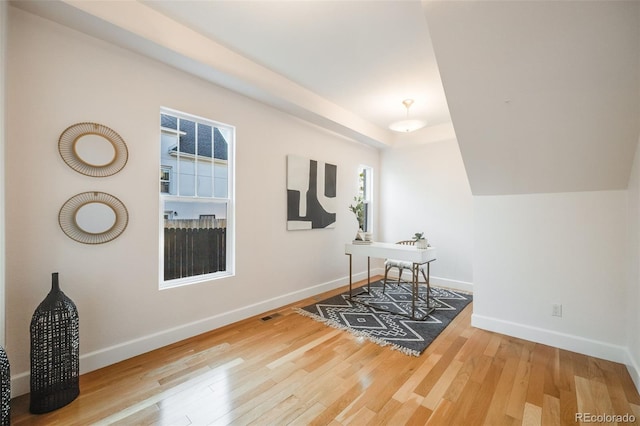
{"x": 93, "y": 149}
{"x": 93, "y": 217}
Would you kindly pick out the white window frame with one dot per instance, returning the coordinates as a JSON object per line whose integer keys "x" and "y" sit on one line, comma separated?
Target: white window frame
{"x": 229, "y": 201}
{"x": 367, "y": 194}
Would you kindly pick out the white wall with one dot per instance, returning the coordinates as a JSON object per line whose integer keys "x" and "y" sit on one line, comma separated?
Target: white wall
{"x": 633, "y": 291}
{"x": 424, "y": 188}
{"x": 543, "y": 94}
{"x": 4, "y": 7}
{"x": 58, "y": 77}
{"x": 532, "y": 251}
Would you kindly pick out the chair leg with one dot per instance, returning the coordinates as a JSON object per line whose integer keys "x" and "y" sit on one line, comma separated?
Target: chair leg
{"x": 400, "y": 271}
{"x": 425, "y": 277}
{"x": 428, "y": 286}
{"x": 384, "y": 282}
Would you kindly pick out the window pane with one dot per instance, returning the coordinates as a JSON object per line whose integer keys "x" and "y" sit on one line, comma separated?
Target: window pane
{"x": 366, "y": 228}
{"x": 168, "y": 121}
{"x": 221, "y": 169}
{"x": 168, "y": 142}
{"x": 185, "y": 151}
{"x": 205, "y": 182}
{"x": 205, "y": 161}
{"x": 365, "y": 190}
{"x": 204, "y": 140}
{"x": 195, "y": 238}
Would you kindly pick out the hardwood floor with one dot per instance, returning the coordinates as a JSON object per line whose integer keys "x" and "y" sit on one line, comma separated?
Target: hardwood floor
{"x": 290, "y": 369}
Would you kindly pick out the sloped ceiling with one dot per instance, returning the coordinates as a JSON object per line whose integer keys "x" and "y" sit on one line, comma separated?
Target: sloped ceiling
{"x": 544, "y": 95}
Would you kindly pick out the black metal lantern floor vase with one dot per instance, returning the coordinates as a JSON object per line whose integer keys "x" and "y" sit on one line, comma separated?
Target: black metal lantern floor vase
{"x": 5, "y": 389}
{"x": 55, "y": 352}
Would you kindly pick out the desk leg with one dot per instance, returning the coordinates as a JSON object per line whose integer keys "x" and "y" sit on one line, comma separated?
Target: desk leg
{"x": 430, "y": 307}
{"x": 414, "y": 289}
{"x": 368, "y": 274}
{"x": 428, "y": 286}
{"x": 350, "y": 277}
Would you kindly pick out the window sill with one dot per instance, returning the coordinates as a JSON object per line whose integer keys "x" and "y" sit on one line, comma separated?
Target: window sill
{"x": 198, "y": 279}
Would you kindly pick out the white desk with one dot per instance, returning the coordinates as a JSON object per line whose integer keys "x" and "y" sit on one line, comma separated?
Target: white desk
{"x": 394, "y": 251}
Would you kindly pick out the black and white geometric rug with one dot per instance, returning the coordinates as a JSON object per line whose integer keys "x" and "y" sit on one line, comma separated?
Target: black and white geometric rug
{"x": 404, "y": 334}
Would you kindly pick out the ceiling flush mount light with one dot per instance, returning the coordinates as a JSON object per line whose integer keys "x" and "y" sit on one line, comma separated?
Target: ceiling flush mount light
{"x": 407, "y": 125}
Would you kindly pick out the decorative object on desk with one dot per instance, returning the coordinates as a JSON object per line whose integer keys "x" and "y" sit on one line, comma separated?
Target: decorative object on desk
{"x": 421, "y": 242}
{"x": 362, "y": 242}
{"x": 384, "y": 328}
{"x": 311, "y": 194}
{"x": 363, "y": 238}
{"x": 93, "y": 149}
{"x": 55, "y": 352}
{"x": 93, "y": 217}
{"x": 5, "y": 389}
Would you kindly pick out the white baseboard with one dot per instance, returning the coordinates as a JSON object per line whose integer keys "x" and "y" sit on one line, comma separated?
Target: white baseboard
{"x": 20, "y": 383}
{"x": 452, "y": 284}
{"x": 595, "y": 348}
{"x": 633, "y": 368}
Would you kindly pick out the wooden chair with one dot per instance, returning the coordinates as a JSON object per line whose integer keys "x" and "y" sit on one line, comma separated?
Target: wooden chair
{"x": 402, "y": 265}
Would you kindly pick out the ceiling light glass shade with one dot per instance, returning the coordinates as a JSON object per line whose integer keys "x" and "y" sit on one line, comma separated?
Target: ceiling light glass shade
{"x": 407, "y": 125}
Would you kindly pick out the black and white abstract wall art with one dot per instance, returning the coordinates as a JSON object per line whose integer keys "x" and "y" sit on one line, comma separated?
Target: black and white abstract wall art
{"x": 311, "y": 193}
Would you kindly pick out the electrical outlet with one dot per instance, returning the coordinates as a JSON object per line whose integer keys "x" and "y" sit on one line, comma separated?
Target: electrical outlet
{"x": 556, "y": 310}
